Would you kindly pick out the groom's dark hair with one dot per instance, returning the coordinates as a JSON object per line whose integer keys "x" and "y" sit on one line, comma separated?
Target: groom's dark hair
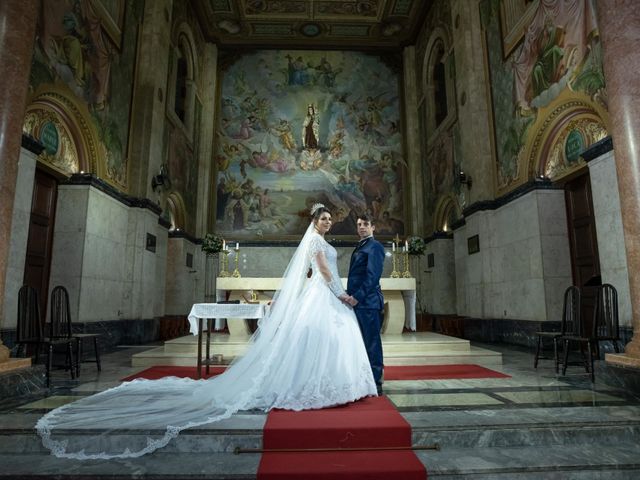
{"x": 367, "y": 218}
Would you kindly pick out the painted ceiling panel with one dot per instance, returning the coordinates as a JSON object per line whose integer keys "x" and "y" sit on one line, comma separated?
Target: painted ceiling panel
{"x": 312, "y": 23}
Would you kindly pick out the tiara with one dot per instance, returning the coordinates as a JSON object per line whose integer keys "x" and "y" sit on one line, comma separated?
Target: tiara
{"x": 315, "y": 208}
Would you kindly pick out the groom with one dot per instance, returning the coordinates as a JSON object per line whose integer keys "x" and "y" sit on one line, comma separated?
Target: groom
{"x": 365, "y": 295}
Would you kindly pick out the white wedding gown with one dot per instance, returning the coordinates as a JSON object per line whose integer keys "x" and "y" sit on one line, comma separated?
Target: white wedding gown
{"x": 307, "y": 353}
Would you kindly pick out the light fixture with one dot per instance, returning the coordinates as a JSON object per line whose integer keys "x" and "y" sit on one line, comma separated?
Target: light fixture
{"x": 465, "y": 179}
{"x": 161, "y": 179}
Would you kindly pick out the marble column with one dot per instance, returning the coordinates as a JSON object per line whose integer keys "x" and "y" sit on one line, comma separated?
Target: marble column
{"x": 17, "y": 34}
{"x": 414, "y": 160}
{"x": 619, "y": 24}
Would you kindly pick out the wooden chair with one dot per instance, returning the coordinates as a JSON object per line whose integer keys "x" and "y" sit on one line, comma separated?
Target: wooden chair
{"x": 570, "y": 317}
{"x": 61, "y": 319}
{"x": 578, "y": 333}
{"x": 30, "y": 331}
{"x": 605, "y": 319}
{"x": 29, "y": 325}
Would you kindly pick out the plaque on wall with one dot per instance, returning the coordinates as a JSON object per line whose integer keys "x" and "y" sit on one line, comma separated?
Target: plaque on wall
{"x": 473, "y": 244}
{"x": 151, "y": 242}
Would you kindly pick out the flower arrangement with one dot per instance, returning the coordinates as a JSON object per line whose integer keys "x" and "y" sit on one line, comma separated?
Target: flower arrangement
{"x": 212, "y": 243}
{"x": 416, "y": 245}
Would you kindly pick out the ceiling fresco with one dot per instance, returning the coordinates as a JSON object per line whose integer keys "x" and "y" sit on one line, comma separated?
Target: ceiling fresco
{"x": 312, "y": 23}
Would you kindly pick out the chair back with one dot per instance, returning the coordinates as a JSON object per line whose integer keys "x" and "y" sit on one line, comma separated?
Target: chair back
{"x": 570, "y": 323}
{"x": 29, "y": 325}
{"x": 60, "y": 316}
{"x": 605, "y": 315}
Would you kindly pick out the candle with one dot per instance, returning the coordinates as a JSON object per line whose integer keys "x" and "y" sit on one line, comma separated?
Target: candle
{"x": 237, "y": 246}
{"x": 224, "y": 245}
{"x": 406, "y": 246}
{"x": 393, "y": 246}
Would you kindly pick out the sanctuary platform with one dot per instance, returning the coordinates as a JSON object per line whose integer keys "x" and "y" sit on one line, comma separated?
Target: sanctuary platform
{"x": 418, "y": 348}
{"x": 532, "y": 425}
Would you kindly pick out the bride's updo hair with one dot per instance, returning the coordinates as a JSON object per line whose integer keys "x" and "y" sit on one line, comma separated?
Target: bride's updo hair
{"x": 318, "y": 209}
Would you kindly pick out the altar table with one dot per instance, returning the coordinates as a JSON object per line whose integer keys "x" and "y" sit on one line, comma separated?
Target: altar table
{"x": 396, "y": 292}
{"x": 210, "y": 311}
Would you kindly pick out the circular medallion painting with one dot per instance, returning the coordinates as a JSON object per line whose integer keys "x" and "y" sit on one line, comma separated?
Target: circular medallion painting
{"x": 310, "y": 29}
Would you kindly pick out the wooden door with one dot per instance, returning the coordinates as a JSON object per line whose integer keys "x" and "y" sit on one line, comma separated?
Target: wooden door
{"x": 585, "y": 262}
{"x": 39, "y": 243}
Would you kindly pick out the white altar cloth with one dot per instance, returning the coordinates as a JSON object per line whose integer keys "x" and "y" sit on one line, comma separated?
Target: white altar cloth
{"x": 223, "y": 310}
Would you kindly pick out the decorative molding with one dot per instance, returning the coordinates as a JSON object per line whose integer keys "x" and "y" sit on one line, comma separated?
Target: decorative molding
{"x": 552, "y": 123}
{"x": 163, "y": 222}
{"x": 439, "y": 236}
{"x": 458, "y": 223}
{"x": 92, "y": 180}
{"x": 32, "y": 144}
{"x": 598, "y": 149}
{"x": 537, "y": 184}
{"x": 186, "y": 236}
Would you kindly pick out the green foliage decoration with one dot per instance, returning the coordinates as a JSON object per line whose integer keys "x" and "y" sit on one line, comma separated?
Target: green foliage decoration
{"x": 416, "y": 245}
{"x": 211, "y": 243}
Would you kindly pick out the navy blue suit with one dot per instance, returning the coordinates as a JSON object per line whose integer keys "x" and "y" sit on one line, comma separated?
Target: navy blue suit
{"x": 363, "y": 284}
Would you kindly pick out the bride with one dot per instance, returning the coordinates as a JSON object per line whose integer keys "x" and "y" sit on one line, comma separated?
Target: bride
{"x": 306, "y": 354}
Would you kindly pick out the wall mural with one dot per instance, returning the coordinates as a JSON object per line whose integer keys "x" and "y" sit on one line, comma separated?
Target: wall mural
{"x": 299, "y": 127}
{"x": 560, "y": 55}
{"x": 77, "y": 44}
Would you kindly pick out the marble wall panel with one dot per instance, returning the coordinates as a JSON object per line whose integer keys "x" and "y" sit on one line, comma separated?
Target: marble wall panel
{"x": 71, "y": 209}
{"x": 184, "y": 285}
{"x": 508, "y": 277}
{"x": 609, "y": 230}
{"x": 99, "y": 256}
{"x": 556, "y": 257}
{"x": 436, "y": 286}
{"x": 554, "y": 296}
{"x": 19, "y": 235}
{"x": 69, "y": 238}
{"x": 553, "y": 218}
{"x": 525, "y": 300}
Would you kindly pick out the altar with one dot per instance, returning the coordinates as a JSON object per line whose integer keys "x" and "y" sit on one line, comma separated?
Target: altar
{"x": 399, "y": 297}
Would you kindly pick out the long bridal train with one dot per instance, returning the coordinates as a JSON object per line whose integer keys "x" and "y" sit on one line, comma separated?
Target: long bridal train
{"x": 308, "y": 353}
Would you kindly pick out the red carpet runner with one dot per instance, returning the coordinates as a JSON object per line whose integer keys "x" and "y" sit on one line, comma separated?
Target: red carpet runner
{"x": 368, "y": 423}
{"x": 407, "y": 372}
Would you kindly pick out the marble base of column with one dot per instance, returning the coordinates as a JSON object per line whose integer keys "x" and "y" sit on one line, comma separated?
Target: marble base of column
{"x": 630, "y": 357}
{"x": 622, "y": 359}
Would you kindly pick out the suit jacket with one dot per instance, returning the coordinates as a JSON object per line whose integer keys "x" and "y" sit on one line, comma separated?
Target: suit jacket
{"x": 365, "y": 270}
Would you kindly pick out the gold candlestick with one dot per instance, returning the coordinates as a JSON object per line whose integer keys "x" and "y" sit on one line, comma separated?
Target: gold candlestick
{"x": 236, "y": 272}
{"x": 225, "y": 262}
{"x": 395, "y": 273}
{"x": 406, "y": 273}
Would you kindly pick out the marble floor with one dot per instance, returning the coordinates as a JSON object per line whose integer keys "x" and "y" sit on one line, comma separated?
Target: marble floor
{"x": 533, "y": 425}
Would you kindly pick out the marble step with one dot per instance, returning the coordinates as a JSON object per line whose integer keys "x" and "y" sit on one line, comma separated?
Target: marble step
{"x": 570, "y": 462}
{"x": 213, "y": 440}
{"x": 409, "y": 344}
{"x": 475, "y": 355}
{"x": 591, "y": 462}
{"x": 606, "y": 426}
{"x": 242, "y": 430}
{"x": 158, "y": 465}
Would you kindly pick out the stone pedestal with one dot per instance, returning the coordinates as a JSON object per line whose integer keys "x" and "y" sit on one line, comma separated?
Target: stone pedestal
{"x": 619, "y": 24}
